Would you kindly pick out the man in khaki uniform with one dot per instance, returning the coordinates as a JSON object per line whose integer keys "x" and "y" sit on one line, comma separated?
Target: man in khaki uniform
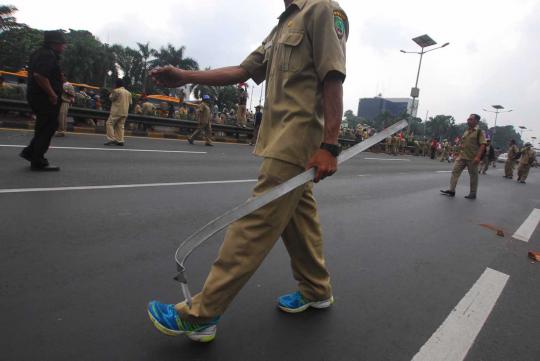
{"x": 487, "y": 159}
{"x": 396, "y": 141}
{"x": 445, "y": 151}
{"x": 388, "y": 145}
{"x": 204, "y": 116}
{"x": 242, "y": 108}
{"x": 67, "y": 98}
{"x": 120, "y": 102}
{"x": 138, "y": 108}
{"x": 303, "y": 62}
{"x": 527, "y": 160}
{"x": 473, "y": 146}
{"x": 510, "y": 163}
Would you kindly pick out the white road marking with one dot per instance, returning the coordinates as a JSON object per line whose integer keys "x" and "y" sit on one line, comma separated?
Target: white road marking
{"x": 454, "y": 338}
{"x": 363, "y": 175}
{"x": 526, "y": 230}
{"x": 111, "y": 149}
{"x": 390, "y": 159}
{"x": 84, "y": 188}
{"x": 444, "y": 171}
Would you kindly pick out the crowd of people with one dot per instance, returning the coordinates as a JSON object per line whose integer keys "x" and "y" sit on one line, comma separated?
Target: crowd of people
{"x": 99, "y": 99}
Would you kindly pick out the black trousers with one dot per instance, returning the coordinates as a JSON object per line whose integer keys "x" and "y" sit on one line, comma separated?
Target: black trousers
{"x": 46, "y": 126}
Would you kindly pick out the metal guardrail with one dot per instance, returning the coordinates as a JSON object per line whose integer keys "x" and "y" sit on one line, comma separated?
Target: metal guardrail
{"x": 76, "y": 112}
{"x": 183, "y": 125}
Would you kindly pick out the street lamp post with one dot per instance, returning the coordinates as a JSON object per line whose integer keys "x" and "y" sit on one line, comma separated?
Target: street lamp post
{"x": 424, "y": 42}
{"x": 497, "y": 111}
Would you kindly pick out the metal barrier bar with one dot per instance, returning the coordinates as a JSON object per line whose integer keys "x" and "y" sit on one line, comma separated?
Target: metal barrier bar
{"x": 77, "y": 112}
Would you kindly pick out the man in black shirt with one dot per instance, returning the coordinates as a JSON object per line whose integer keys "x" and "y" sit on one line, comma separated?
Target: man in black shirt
{"x": 43, "y": 93}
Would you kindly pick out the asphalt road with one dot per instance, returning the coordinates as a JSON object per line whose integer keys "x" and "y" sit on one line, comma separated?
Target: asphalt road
{"x": 78, "y": 266}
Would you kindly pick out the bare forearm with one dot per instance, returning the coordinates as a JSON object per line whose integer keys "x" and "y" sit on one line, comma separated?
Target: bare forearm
{"x": 222, "y": 76}
{"x": 333, "y": 108}
{"x": 44, "y": 84}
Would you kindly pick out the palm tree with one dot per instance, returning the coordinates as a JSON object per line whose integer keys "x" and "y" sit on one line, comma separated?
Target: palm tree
{"x": 146, "y": 52}
{"x": 172, "y": 56}
{"x": 130, "y": 61}
{"x": 7, "y": 20}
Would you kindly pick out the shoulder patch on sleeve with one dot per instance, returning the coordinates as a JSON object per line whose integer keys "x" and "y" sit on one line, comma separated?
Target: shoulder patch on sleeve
{"x": 340, "y": 20}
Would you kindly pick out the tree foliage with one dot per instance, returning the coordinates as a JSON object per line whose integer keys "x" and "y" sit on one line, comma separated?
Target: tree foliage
{"x": 503, "y": 135}
{"x": 169, "y": 55}
{"x": 7, "y": 20}
{"x": 16, "y": 46}
{"x": 86, "y": 59}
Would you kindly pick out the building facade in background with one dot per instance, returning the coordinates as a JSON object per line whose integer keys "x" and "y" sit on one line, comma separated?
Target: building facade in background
{"x": 371, "y": 108}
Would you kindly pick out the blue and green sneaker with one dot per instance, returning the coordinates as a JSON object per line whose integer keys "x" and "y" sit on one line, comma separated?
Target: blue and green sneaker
{"x": 295, "y": 302}
{"x": 167, "y": 320}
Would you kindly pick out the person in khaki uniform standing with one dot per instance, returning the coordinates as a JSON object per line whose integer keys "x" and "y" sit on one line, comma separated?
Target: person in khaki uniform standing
{"x": 67, "y": 98}
{"x": 527, "y": 160}
{"x": 303, "y": 62}
{"x": 121, "y": 100}
{"x": 511, "y": 160}
{"x": 489, "y": 157}
{"x": 473, "y": 146}
{"x": 204, "y": 115}
{"x": 242, "y": 108}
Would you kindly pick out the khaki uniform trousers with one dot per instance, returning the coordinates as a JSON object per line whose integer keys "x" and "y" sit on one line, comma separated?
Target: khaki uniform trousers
{"x": 247, "y": 242}
{"x": 241, "y": 115}
{"x": 509, "y": 168}
{"x": 459, "y": 166}
{"x": 115, "y": 128}
{"x": 484, "y": 165}
{"x": 206, "y": 130}
{"x": 523, "y": 171}
{"x": 62, "y": 117}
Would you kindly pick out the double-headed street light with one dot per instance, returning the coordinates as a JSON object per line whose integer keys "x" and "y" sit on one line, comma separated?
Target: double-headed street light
{"x": 498, "y": 109}
{"x": 423, "y": 42}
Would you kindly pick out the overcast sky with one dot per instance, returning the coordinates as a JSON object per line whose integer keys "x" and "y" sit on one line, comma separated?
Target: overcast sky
{"x": 493, "y": 57}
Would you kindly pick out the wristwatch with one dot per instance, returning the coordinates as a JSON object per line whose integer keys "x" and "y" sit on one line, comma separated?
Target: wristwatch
{"x": 334, "y": 149}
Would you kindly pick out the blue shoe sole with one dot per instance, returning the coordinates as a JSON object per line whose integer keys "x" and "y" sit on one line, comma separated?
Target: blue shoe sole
{"x": 318, "y": 305}
{"x": 194, "y": 336}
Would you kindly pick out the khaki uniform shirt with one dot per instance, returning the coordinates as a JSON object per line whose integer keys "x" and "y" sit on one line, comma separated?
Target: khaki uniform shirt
{"x": 307, "y": 44}
{"x": 470, "y": 144}
{"x": 528, "y": 156}
{"x": 121, "y": 100}
{"x": 204, "y": 114}
{"x": 512, "y": 152}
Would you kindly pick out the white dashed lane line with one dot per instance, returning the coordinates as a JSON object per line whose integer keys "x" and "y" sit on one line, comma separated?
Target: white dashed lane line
{"x": 454, "y": 338}
{"x": 389, "y": 159}
{"x": 110, "y": 149}
{"x": 119, "y": 186}
{"x": 528, "y": 227}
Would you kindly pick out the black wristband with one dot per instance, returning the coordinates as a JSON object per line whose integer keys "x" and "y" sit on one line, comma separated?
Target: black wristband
{"x": 334, "y": 149}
